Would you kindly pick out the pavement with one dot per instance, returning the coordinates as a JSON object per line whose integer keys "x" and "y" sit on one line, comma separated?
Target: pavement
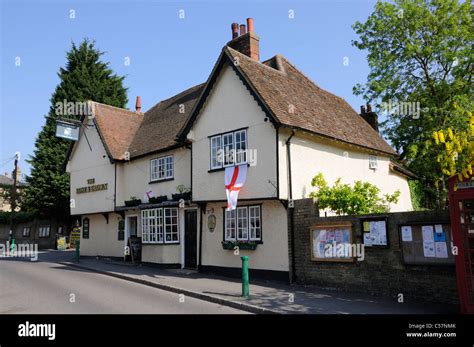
{"x": 265, "y": 296}
{"x": 48, "y": 287}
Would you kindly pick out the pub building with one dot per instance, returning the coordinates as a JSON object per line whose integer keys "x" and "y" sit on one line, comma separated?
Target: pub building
{"x": 218, "y": 165}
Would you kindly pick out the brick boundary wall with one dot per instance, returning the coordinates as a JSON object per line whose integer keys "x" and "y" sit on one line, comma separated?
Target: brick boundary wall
{"x": 382, "y": 272}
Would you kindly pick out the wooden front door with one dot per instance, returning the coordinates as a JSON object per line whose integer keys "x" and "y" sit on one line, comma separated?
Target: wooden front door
{"x": 190, "y": 239}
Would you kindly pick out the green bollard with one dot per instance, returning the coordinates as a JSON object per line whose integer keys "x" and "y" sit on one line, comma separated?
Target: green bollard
{"x": 78, "y": 250}
{"x": 12, "y": 246}
{"x": 245, "y": 276}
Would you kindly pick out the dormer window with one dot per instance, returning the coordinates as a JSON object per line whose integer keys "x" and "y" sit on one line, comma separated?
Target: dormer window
{"x": 228, "y": 149}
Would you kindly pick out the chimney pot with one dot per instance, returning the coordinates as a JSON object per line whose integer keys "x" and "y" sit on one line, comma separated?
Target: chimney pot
{"x": 6, "y": 173}
{"x": 235, "y": 30}
{"x": 242, "y": 29}
{"x": 138, "y": 104}
{"x": 250, "y": 25}
{"x": 247, "y": 44}
{"x": 370, "y": 117}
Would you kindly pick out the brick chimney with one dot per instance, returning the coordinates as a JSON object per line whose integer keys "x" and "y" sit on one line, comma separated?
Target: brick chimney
{"x": 370, "y": 117}
{"x": 247, "y": 42}
{"x": 138, "y": 104}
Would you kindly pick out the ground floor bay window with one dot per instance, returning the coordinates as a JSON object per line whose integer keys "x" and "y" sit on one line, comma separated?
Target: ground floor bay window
{"x": 160, "y": 226}
{"x": 243, "y": 224}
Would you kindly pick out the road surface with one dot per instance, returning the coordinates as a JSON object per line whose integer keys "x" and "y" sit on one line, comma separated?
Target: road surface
{"x": 46, "y": 287}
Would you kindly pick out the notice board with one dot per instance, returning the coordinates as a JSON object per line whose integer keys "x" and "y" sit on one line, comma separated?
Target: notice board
{"x": 327, "y": 239}
{"x": 375, "y": 232}
{"x": 426, "y": 244}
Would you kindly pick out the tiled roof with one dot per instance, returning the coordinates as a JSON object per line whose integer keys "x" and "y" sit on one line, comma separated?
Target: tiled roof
{"x": 163, "y": 121}
{"x": 117, "y": 127}
{"x": 291, "y": 98}
{"x": 4, "y": 180}
{"x": 296, "y": 101}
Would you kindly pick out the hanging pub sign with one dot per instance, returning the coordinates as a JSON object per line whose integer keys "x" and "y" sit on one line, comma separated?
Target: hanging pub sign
{"x": 67, "y": 130}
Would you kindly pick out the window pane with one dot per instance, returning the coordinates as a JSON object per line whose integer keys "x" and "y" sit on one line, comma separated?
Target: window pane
{"x": 154, "y": 169}
{"x": 171, "y": 225}
{"x": 228, "y": 145}
{"x": 216, "y": 147}
{"x": 242, "y": 223}
{"x": 169, "y": 167}
{"x": 255, "y": 223}
{"x": 230, "y": 225}
{"x": 240, "y": 146}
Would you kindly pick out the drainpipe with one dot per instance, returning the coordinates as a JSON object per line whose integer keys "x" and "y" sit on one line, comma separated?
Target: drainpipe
{"x": 115, "y": 186}
{"x": 292, "y": 216}
{"x": 201, "y": 208}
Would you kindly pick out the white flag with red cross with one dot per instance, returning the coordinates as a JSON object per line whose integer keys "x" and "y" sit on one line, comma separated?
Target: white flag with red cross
{"x": 234, "y": 181}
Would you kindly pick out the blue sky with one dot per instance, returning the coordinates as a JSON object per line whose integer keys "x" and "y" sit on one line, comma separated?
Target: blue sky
{"x": 167, "y": 54}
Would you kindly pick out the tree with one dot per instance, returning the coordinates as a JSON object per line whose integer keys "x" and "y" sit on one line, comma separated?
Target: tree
{"x": 14, "y": 197}
{"x": 85, "y": 77}
{"x": 421, "y": 66}
{"x": 456, "y": 148}
{"x": 343, "y": 199}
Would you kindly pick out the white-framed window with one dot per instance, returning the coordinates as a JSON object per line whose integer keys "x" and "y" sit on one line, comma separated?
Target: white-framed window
{"x": 160, "y": 225}
{"x": 171, "y": 225}
{"x": 162, "y": 168}
{"x": 216, "y": 149}
{"x": 243, "y": 224}
{"x": 255, "y": 225}
{"x": 240, "y": 141}
{"x": 44, "y": 231}
{"x": 26, "y": 231}
{"x": 228, "y": 149}
{"x": 373, "y": 164}
{"x": 229, "y": 225}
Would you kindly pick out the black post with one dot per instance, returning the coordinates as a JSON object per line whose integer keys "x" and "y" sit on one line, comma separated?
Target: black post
{"x": 13, "y": 196}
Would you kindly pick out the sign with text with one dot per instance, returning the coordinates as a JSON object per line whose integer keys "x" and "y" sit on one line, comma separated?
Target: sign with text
{"x": 92, "y": 187}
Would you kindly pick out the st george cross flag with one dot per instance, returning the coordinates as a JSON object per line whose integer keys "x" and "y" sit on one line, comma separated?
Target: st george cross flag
{"x": 234, "y": 180}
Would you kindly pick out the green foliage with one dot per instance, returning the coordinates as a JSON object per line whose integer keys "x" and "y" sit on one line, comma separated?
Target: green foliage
{"x": 417, "y": 195}
{"x": 7, "y": 194}
{"x": 420, "y": 51}
{"x": 342, "y": 199}
{"x": 85, "y": 77}
{"x": 18, "y": 217}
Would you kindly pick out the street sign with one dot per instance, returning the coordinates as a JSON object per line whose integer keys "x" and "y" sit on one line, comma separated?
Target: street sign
{"x": 67, "y": 130}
